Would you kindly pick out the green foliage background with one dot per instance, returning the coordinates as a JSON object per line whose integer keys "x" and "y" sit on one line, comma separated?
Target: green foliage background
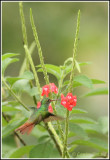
{"x": 56, "y": 24}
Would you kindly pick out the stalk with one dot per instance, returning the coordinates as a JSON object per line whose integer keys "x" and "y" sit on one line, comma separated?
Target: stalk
{"x": 70, "y": 88}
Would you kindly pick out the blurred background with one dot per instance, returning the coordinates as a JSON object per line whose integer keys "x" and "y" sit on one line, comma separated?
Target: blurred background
{"x": 56, "y": 25}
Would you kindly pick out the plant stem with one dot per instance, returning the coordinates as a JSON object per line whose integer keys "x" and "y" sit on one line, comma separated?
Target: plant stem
{"x": 50, "y": 127}
{"x": 31, "y": 49}
{"x": 33, "y": 68}
{"x": 23, "y": 29}
{"x": 14, "y": 95}
{"x": 16, "y": 134}
{"x": 71, "y": 82}
{"x": 25, "y": 64}
{"x": 23, "y": 23}
{"x": 54, "y": 136}
{"x": 44, "y": 68}
{"x": 39, "y": 47}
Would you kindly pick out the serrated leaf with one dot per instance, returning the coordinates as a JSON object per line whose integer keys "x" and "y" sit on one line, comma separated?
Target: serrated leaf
{"x": 79, "y": 131}
{"x": 99, "y": 91}
{"x": 54, "y": 70}
{"x": 7, "y": 55}
{"x": 6, "y": 62}
{"x": 84, "y": 80}
{"x": 81, "y": 120}
{"x": 78, "y": 110}
{"x": 9, "y": 109}
{"x": 77, "y": 66}
{"x": 12, "y": 125}
{"x": 18, "y": 153}
{"x": 93, "y": 142}
{"x": 44, "y": 150}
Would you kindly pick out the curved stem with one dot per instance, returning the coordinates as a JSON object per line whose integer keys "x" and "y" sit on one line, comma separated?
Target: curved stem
{"x": 14, "y": 95}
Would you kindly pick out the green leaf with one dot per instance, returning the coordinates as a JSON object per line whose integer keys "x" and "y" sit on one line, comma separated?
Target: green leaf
{"x": 70, "y": 59}
{"x": 6, "y": 62}
{"x": 7, "y": 55}
{"x": 93, "y": 142}
{"x": 84, "y": 80}
{"x": 8, "y": 146}
{"x": 18, "y": 153}
{"x": 85, "y": 155}
{"x": 27, "y": 75}
{"x": 4, "y": 122}
{"x": 103, "y": 124}
{"x": 77, "y": 66}
{"x": 9, "y": 109}
{"x": 44, "y": 150}
{"x": 82, "y": 120}
{"x": 33, "y": 91}
{"x": 12, "y": 125}
{"x": 60, "y": 109}
{"x": 12, "y": 80}
{"x": 79, "y": 131}
{"x": 99, "y": 91}
{"x": 71, "y": 149}
{"x": 54, "y": 70}
{"x": 71, "y": 134}
{"x": 97, "y": 81}
{"x": 78, "y": 110}
{"x": 77, "y": 84}
{"x": 84, "y": 63}
{"x": 11, "y": 103}
{"x": 44, "y": 138}
{"x": 21, "y": 85}
{"x": 68, "y": 65}
{"x": 91, "y": 128}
